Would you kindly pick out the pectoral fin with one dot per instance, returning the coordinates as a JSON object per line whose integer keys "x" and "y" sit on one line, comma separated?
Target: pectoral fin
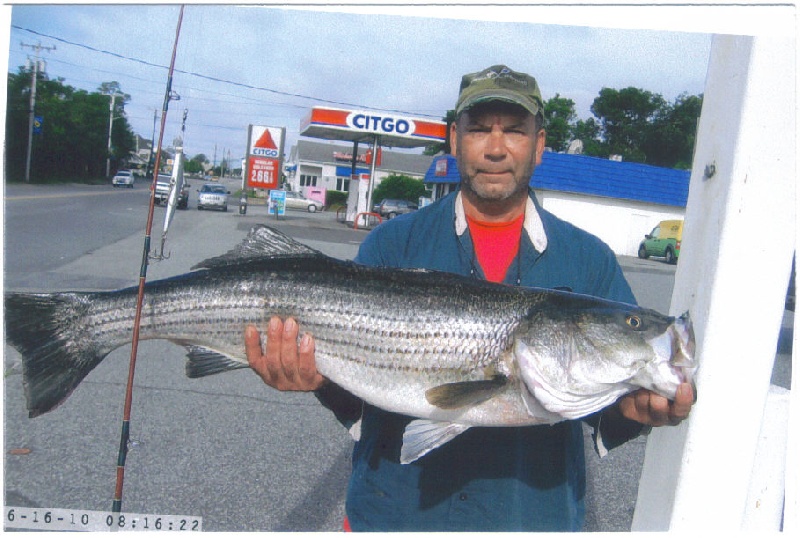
{"x": 204, "y": 361}
{"x": 422, "y": 436}
{"x": 465, "y": 393}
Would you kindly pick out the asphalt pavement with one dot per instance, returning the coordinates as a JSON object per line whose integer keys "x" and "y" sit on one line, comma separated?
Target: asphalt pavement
{"x": 226, "y": 448}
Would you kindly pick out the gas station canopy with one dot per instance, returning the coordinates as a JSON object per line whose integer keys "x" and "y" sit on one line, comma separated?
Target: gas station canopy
{"x": 359, "y": 125}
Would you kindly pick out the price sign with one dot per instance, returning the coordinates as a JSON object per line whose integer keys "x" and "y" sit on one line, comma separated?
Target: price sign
{"x": 262, "y": 173}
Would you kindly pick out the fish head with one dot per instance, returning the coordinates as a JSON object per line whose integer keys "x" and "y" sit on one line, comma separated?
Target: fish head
{"x": 674, "y": 347}
{"x": 579, "y": 354}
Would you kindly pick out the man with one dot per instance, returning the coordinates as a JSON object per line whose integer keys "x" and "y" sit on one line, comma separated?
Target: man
{"x": 486, "y": 479}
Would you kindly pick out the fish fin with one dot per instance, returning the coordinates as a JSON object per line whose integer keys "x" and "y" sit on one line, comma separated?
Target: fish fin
{"x": 261, "y": 242}
{"x": 49, "y": 331}
{"x": 355, "y": 430}
{"x": 421, "y": 436}
{"x": 204, "y": 361}
{"x": 465, "y": 393}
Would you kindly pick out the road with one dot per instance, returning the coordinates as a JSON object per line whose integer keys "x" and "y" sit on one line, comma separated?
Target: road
{"x": 226, "y": 448}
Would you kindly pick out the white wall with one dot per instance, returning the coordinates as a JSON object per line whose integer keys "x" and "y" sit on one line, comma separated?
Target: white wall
{"x": 621, "y": 224}
{"x": 326, "y": 175}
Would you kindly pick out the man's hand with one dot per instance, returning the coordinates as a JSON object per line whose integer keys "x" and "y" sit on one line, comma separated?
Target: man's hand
{"x": 285, "y": 365}
{"x": 650, "y": 409}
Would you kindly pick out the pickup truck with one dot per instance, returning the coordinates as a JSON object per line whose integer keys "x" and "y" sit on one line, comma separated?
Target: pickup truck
{"x": 162, "y": 192}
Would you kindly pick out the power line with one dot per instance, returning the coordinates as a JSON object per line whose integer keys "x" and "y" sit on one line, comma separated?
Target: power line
{"x": 217, "y": 79}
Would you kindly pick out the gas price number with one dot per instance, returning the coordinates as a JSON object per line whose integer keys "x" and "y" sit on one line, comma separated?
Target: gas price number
{"x": 62, "y": 519}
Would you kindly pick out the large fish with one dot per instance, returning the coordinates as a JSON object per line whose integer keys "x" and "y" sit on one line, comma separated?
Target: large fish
{"x": 455, "y": 352}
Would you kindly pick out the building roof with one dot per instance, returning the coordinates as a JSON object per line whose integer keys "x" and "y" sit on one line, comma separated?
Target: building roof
{"x": 391, "y": 161}
{"x": 594, "y": 176}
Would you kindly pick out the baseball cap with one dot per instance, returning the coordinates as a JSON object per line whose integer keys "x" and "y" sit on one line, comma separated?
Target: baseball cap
{"x": 499, "y": 83}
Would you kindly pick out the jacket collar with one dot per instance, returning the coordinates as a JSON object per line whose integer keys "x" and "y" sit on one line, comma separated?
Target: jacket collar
{"x": 533, "y": 223}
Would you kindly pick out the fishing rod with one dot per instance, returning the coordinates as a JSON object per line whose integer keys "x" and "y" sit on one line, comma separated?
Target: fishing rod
{"x": 126, "y": 419}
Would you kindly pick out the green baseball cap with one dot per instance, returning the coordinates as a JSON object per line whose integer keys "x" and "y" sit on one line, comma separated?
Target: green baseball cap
{"x": 499, "y": 83}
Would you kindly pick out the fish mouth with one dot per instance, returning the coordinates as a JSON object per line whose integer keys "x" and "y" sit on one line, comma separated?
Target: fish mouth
{"x": 675, "y": 348}
{"x": 682, "y": 356}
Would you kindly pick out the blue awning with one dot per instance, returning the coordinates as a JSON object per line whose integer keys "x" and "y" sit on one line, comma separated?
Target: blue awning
{"x": 583, "y": 174}
{"x": 345, "y": 171}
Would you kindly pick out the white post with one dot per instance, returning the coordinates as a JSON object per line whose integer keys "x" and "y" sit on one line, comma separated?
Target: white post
{"x": 110, "y": 127}
{"x": 739, "y": 236}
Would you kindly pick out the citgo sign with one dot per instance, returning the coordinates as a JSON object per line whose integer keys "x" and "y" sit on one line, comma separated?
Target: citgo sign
{"x": 380, "y": 124}
{"x": 398, "y": 131}
{"x": 265, "y": 156}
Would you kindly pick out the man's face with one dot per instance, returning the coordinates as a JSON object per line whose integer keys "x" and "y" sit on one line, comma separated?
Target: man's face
{"x": 497, "y": 147}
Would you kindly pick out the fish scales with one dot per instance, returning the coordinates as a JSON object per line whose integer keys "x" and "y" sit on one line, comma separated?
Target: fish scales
{"x": 422, "y": 338}
{"x": 452, "y": 351}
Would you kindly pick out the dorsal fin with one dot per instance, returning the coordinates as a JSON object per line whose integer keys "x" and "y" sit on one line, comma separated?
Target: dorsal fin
{"x": 261, "y": 242}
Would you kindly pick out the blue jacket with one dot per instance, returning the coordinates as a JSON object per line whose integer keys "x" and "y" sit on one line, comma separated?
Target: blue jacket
{"x": 486, "y": 479}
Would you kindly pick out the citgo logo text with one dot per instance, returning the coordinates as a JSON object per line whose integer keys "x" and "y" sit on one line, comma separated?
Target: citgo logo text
{"x": 380, "y": 124}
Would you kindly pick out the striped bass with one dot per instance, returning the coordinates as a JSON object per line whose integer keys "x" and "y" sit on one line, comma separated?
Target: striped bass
{"x": 452, "y": 351}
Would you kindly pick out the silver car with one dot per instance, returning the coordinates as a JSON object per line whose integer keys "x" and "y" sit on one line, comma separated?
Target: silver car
{"x": 124, "y": 178}
{"x": 213, "y": 195}
{"x": 390, "y": 208}
{"x": 295, "y": 200}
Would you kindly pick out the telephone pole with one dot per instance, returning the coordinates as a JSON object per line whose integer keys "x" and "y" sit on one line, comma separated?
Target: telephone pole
{"x": 34, "y": 70}
{"x": 110, "y": 126}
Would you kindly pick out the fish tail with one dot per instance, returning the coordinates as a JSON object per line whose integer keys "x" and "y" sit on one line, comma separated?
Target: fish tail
{"x": 51, "y": 332}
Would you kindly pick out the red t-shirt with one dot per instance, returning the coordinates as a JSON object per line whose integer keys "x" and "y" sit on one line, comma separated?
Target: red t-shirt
{"x": 496, "y": 245}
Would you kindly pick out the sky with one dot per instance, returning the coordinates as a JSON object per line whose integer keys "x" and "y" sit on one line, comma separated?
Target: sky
{"x": 241, "y": 65}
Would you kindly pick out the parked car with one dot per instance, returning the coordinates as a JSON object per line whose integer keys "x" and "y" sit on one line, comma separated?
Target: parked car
{"x": 390, "y": 208}
{"x": 162, "y": 192}
{"x": 295, "y": 200}
{"x": 664, "y": 241}
{"x": 123, "y": 178}
{"x": 213, "y": 195}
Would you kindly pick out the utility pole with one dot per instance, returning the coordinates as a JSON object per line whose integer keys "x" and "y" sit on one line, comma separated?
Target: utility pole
{"x": 110, "y": 125}
{"x": 152, "y": 146}
{"x": 38, "y": 48}
{"x": 222, "y": 165}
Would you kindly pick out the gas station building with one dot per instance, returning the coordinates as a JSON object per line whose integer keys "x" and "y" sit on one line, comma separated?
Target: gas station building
{"x": 328, "y": 165}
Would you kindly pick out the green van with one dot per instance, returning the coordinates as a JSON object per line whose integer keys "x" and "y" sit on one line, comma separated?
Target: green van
{"x": 663, "y": 241}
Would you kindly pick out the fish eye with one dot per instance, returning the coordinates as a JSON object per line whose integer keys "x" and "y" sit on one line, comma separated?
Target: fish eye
{"x": 634, "y": 322}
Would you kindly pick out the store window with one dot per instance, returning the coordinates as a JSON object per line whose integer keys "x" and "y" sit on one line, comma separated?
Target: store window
{"x": 307, "y": 180}
{"x": 343, "y": 184}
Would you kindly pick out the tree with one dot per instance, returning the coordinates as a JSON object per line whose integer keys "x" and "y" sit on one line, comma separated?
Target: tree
{"x": 625, "y": 119}
{"x": 74, "y": 138}
{"x": 588, "y": 132}
{"x": 559, "y": 120}
{"x": 195, "y": 164}
{"x": 672, "y": 137}
{"x": 399, "y": 186}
